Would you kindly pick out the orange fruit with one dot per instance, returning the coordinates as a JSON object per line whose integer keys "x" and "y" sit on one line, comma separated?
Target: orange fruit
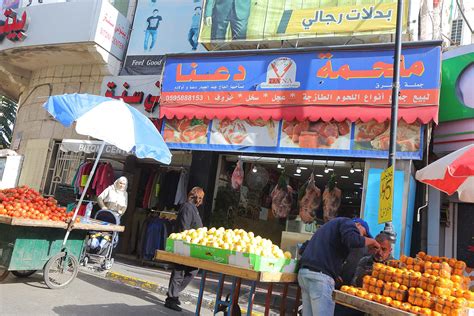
{"x": 460, "y": 265}
{"x": 409, "y": 261}
{"x": 405, "y": 306}
{"x": 403, "y": 259}
{"x": 421, "y": 254}
{"x": 344, "y": 288}
{"x": 425, "y": 311}
{"x": 459, "y": 303}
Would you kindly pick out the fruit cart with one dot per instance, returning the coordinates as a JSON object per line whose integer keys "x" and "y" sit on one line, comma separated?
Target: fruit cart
{"x": 29, "y": 245}
{"x": 366, "y": 306}
{"x": 238, "y": 274}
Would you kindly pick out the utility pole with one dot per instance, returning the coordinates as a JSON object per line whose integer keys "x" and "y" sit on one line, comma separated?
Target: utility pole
{"x": 394, "y": 110}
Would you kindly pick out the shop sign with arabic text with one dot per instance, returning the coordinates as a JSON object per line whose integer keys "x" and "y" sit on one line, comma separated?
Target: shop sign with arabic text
{"x": 306, "y": 78}
{"x": 13, "y": 27}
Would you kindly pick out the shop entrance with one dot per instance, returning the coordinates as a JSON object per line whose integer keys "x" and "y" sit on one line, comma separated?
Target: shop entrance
{"x": 246, "y": 198}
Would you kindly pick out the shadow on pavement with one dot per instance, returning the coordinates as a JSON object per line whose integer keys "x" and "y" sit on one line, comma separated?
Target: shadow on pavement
{"x": 111, "y": 286}
{"x": 115, "y": 310}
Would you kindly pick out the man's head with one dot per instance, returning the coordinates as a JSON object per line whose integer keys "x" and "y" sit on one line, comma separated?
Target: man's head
{"x": 383, "y": 253}
{"x": 196, "y": 196}
{"x": 363, "y": 227}
{"x": 155, "y": 12}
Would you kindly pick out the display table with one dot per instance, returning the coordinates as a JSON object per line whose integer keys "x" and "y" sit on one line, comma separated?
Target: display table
{"x": 366, "y": 306}
{"x": 238, "y": 275}
{"x": 90, "y": 224}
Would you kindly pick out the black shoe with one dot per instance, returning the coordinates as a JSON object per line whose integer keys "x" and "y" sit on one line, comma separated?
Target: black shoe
{"x": 178, "y": 301}
{"x": 172, "y": 304}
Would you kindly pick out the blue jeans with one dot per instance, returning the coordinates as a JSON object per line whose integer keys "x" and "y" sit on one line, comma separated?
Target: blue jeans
{"x": 193, "y": 37}
{"x": 149, "y": 33}
{"x": 316, "y": 293}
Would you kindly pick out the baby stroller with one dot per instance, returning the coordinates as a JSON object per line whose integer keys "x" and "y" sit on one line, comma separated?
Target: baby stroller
{"x": 99, "y": 245}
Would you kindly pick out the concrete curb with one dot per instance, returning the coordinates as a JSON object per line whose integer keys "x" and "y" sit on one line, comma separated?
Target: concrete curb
{"x": 186, "y": 296}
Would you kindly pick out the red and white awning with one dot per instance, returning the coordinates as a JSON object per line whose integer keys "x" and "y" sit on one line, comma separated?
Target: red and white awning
{"x": 454, "y": 172}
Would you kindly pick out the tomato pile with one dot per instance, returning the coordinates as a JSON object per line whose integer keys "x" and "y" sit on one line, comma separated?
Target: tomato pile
{"x": 24, "y": 202}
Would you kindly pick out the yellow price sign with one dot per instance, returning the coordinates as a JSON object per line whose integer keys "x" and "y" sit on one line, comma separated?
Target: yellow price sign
{"x": 386, "y": 195}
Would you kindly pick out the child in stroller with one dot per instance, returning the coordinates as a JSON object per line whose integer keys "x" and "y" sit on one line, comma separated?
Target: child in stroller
{"x": 99, "y": 245}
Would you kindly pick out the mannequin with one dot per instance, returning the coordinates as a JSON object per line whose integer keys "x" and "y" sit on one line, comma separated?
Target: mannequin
{"x": 115, "y": 197}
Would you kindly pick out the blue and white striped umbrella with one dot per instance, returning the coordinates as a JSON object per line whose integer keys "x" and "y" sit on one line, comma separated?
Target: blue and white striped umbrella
{"x": 112, "y": 121}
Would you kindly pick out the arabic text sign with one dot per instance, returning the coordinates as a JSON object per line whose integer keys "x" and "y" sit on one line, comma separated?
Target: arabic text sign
{"x": 308, "y": 78}
{"x": 14, "y": 26}
{"x": 363, "y": 18}
{"x": 386, "y": 195}
{"x": 141, "y": 92}
{"x": 295, "y": 19}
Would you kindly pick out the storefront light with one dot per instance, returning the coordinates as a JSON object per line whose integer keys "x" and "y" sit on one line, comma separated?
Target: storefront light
{"x": 352, "y": 169}
{"x": 298, "y": 170}
{"x": 279, "y": 166}
{"x": 254, "y": 169}
{"x": 319, "y": 175}
{"x": 326, "y": 169}
{"x": 357, "y": 183}
{"x": 303, "y": 168}
{"x": 297, "y": 174}
{"x": 345, "y": 177}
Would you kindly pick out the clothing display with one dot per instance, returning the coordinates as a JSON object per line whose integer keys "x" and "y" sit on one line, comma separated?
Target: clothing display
{"x": 157, "y": 231}
{"x": 102, "y": 178}
{"x": 181, "y": 191}
{"x": 169, "y": 185}
{"x": 138, "y": 224}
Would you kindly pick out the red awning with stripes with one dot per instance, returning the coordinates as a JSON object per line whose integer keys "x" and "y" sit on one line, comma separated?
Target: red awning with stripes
{"x": 410, "y": 114}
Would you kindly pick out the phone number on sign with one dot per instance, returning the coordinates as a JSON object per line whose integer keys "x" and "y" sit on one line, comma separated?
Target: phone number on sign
{"x": 171, "y": 98}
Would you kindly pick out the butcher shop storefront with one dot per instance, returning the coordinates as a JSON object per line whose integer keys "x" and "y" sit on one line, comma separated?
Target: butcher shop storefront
{"x": 302, "y": 134}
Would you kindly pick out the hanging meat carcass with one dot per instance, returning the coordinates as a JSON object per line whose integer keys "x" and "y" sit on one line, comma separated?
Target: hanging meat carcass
{"x": 332, "y": 197}
{"x": 310, "y": 201}
{"x": 237, "y": 176}
{"x": 281, "y": 199}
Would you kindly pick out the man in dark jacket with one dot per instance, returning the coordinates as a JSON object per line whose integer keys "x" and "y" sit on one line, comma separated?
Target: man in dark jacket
{"x": 181, "y": 276}
{"x": 322, "y": 260}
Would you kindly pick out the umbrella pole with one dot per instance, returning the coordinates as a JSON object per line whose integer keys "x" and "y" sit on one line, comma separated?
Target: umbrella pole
{"x": 89, "y": 179}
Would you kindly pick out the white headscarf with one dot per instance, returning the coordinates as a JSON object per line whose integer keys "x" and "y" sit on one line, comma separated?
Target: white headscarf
{"x": 115, "y": 195}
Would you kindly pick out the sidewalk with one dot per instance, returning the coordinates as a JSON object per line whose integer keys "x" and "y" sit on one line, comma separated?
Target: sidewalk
{"x": 151, "y": 277}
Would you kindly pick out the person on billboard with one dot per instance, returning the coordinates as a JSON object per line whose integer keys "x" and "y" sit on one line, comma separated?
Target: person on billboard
{"x": 219, "y": 14}
{"x": 152, "y": 28}
{"x": 194, "y": 30}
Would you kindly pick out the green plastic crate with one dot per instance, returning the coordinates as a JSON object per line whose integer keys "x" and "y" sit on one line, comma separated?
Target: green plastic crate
{"x": 244, "y": 260}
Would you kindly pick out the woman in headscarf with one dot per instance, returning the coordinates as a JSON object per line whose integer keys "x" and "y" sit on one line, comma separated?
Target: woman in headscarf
{"x": 115, "y": 197}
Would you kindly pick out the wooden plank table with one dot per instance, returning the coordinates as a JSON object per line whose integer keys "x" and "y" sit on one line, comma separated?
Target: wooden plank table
{"x": 238, "y": 274}
{"x": 91, "y": 224}
{"x": 366, "y": 306}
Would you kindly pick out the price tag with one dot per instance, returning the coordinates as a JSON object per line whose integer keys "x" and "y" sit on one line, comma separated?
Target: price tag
{"x": 386, "y": 196}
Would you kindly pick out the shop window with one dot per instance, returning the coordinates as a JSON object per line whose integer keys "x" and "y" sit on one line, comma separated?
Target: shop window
{"x": 121, "y": 6}
{"x": 456, "y": 31}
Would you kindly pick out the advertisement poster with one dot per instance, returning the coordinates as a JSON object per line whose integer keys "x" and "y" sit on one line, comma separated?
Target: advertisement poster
{"x": 244, "y": 132}
{"x": 9, "y": 4}
{"x": 186, "y": 131}
{"x": 376, "y": 136}
{"x": 342, "y": 139}
{"x": 307, "y": 78}
{"x": 329, "y": 135}
{"x": 161, "y": 27}
{"x": 234, "y": 20}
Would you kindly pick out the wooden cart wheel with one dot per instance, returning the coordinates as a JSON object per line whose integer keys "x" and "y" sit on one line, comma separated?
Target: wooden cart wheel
{"x": 23, "y": 273}
{"x": 60, "y": 270}
{"x": 3, "y": 274}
